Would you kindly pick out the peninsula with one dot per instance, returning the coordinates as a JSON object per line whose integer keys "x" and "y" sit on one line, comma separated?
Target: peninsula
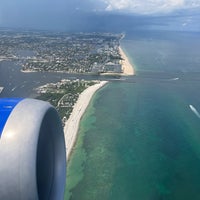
{"x": 72, "y": 124}
{"x": 71, "y": 99}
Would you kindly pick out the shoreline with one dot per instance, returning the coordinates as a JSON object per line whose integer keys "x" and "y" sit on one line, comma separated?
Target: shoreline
{"x": 72, "y": 124}
{"x": 127, "y": 67}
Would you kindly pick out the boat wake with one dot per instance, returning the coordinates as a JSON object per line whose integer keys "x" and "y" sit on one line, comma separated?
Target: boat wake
{"x": 174, "y": 79}
{"x": 13, "y": 89}
{"x": 1, "y": 89}
{"x": 194, "y": 110}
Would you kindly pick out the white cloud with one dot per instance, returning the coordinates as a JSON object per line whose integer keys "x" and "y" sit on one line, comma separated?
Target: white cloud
{"x": 149, "y": 6}
{"x": 118, "y": 5}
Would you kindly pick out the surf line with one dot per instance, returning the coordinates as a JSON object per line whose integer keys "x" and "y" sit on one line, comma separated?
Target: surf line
{"x": 194, "y": 110}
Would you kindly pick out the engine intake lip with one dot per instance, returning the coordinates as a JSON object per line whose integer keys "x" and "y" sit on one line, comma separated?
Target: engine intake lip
{"x": 32, "y": 149}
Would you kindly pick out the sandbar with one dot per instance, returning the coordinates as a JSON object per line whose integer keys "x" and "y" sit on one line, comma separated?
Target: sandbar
{"x": 72, "y": 124}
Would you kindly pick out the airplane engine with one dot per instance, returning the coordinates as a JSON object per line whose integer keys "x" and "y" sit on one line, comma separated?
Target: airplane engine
{"x": 32, "y": 151}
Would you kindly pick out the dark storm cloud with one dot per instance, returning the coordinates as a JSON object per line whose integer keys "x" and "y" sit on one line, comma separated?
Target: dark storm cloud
{"x": 41, "y": 13}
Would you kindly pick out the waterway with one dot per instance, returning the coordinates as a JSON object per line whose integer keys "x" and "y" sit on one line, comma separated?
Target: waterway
{"x": 20, "y": 84}
{"x": 140, "y": 140}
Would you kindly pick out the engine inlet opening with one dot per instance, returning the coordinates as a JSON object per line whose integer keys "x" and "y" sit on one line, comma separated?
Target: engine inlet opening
{"x": 51, "y": 158}
{"x": 45, "y": 160}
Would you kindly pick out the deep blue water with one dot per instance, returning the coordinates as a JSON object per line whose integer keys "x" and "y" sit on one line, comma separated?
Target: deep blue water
{"x": 140, "y": 139}
{"x": 19, "y": 84}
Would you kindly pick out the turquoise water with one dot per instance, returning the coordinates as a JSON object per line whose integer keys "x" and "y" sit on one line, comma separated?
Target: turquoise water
{"x": 140, "y": 139}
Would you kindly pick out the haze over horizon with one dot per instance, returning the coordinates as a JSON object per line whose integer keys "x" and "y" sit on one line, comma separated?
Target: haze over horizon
{"x": 87, "y": 15}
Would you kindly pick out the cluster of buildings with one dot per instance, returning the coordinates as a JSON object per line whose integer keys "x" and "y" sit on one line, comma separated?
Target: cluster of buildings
{"x": 61, "y": 52}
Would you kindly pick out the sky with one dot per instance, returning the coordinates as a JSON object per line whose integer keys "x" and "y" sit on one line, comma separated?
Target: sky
{"x": 65, "y": 13}
{"x": 149, "y": 6}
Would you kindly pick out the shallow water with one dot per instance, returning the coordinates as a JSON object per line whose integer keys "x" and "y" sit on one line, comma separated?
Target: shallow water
{"x": 140, "y": 140}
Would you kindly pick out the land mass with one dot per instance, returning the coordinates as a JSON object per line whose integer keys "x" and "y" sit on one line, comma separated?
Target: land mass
{"x": 86, "y": 53}
{"x": 72, "y": 124}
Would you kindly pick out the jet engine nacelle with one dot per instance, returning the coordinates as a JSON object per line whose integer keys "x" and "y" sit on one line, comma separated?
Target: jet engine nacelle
{"x": 32, "y": 151}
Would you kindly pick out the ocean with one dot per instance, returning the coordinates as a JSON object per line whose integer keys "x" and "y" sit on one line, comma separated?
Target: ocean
{"x": 140, "y": 139}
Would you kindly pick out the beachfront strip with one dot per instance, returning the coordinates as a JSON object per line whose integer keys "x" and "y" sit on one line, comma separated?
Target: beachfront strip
{"x": 72, "y": 125}
{"x": 127, "y": 67}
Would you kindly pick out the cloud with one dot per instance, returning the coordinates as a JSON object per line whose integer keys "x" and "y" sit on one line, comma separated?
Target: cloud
{"x": 149, "y": 6}
{"x": 118, "y": 5}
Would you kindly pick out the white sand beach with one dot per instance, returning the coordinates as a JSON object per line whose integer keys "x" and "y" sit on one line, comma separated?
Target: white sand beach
{"x": 127, "y": 68}
{"x": 72, "y": 125}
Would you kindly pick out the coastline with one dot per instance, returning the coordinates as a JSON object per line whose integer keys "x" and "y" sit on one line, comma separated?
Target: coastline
{"x": 127, "y": 67}
{"x": 72, "y": 125}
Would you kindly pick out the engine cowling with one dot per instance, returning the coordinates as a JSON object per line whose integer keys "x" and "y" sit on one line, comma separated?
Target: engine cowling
{"x": 32, "y": 151}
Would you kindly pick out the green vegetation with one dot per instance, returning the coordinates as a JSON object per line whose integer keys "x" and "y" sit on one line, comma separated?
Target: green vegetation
{"x": 63, "y": 95}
